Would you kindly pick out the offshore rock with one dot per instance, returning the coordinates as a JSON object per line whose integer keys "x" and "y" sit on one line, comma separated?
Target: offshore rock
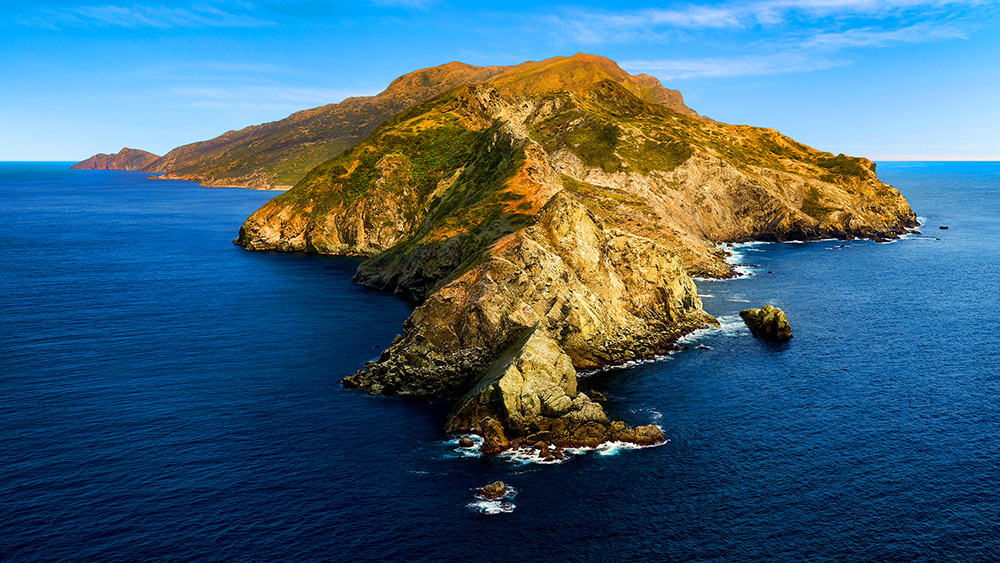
{"x": 767, "y": 322}
{"x": 494, "y": 491}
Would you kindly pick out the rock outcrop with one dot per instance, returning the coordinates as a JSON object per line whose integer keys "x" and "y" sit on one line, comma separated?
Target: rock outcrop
{"x": 494, "y": 491}
{"x": 549, "y": 221}
{"x": 532, "y": 388}
{"x": 125, "y": 159}
{"x": 768, "y": 322}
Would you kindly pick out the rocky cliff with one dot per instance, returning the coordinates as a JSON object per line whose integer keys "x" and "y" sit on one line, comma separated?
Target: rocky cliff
{"x": 125, "y": 159}
{"x": 547, "y": 220}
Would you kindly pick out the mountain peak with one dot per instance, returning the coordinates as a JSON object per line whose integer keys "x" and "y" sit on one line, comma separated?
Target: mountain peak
{"x": 280, "y": 153}
{"x": 582, "y": 72}
{"x": 428, "y": 82}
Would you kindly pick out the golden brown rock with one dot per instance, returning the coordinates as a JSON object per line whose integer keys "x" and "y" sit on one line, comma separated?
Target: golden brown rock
{"x": 494, "y": 491}
{"x": 494, "y": 438}
{"x": 768, "y": 322}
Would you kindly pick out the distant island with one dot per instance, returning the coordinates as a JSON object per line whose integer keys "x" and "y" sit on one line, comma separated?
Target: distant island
{"x": 547, "y": 218}
{"x": 125, "y": 159}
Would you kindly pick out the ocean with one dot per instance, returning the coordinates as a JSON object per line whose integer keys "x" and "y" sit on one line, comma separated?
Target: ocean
{"x": 165, "y": 394}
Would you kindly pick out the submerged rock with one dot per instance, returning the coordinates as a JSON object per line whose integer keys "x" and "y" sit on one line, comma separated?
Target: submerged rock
{"x": 494, "y": 491}
{"x": 768, "y": 322}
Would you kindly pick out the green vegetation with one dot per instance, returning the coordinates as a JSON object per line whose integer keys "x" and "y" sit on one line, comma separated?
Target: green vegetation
{"x": 594, "y": 140}
{"x": 652, "y": 155}
{"x": 811, "y": 205}
{"x": 843, "y": 165}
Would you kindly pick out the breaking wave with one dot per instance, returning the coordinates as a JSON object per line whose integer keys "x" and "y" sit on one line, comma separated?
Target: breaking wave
{"x": 729, "y": 325}
{"x": 501, "y": 505}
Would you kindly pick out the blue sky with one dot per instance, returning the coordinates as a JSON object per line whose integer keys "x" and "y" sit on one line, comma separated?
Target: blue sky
{"x": 890, "y": 79}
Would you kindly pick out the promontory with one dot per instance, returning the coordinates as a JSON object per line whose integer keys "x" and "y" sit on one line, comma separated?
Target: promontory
{"x": 548, "y": 218}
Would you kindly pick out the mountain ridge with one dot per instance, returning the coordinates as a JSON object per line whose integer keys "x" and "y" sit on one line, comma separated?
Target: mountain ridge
{"x": 275, "y": 155}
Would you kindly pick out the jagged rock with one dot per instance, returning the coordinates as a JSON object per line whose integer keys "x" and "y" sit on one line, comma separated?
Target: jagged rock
{"x": 465, "y": 443}
{"x": 767, "y": 322}
{"x": 597, "y": 396}
{"x": 531, "y": 390}
{"x": 494, "y": 491}
{"x": 494, "y": 439}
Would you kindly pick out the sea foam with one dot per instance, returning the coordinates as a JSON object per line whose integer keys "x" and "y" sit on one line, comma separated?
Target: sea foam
{"x": 501, "y": 505}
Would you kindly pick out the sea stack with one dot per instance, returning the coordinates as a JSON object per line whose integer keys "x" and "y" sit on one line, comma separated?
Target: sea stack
{"x": 768, "y": 322}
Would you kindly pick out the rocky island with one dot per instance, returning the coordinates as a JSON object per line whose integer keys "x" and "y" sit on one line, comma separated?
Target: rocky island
{"x": 768, "y": 322}
{"x": 125, "y": 159}
{"x": 548, "y": 218}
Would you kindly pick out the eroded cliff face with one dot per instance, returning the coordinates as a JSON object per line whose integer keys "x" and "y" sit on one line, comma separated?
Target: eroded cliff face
{"x": 532, "y": 388}
{"x": 549, "y": 229}
{"x": 604, "y": 295}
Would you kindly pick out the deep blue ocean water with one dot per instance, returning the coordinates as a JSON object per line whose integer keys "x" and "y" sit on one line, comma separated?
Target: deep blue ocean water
{"x": 166, "y": 394}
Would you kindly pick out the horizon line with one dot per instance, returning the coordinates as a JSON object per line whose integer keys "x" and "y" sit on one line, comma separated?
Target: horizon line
{"x": 893, "y": 158}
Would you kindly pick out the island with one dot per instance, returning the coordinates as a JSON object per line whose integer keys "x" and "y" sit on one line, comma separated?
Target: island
{"x": 125, "y": 159}
{"x": 545, "y": 218}
{"x": 548, "y": 218}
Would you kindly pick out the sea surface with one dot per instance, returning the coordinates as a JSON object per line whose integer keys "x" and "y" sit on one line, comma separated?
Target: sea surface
{"x": 165, "y": 394}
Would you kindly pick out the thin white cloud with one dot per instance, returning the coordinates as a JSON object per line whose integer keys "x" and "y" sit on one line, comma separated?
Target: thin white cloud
{"x": 136, "y": 15}
{"x": 260, "y": 97}
{"x": 717, "y": 67}
{"x": 403, "y": 3}
{"x": 817, "y": 52}
{"x": 871, "y": 37}
{"x": 653, "y": 24}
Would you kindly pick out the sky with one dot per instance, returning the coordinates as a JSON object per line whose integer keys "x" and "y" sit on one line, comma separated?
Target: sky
{"x": 889, "y": 79}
